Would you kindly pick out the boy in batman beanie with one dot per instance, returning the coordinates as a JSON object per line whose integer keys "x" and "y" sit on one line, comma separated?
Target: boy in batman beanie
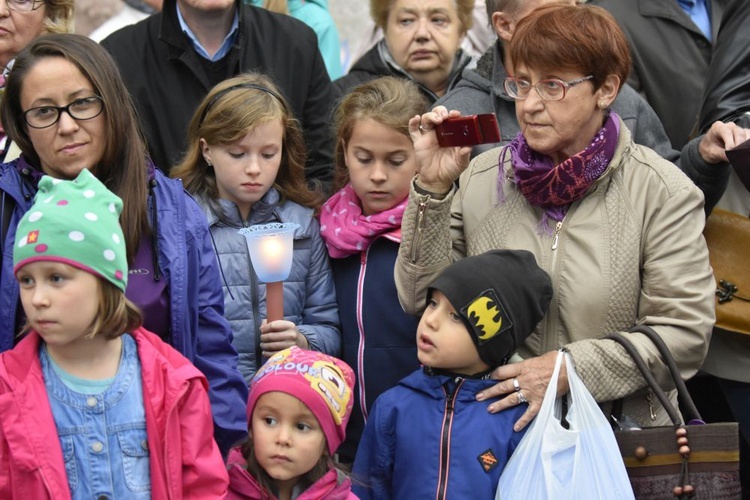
{"x": 479, "y": 311}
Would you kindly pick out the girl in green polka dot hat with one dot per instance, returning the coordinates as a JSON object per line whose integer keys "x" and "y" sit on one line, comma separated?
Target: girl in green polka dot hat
{"x": 75, "y": 223}
{"x": 87, "y": 396}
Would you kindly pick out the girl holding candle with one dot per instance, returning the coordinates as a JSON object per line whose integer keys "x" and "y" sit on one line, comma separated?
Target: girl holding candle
{"x": 361, "y": 225}
{"x": 245, "y": 166}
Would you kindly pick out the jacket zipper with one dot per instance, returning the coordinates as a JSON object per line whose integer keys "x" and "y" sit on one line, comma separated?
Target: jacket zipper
{"x": 420, "y": 227}
{"x": 445, "y": 440}
{"x": 552, "y": 343}
{"x": 170, "y": 413}
{"x": 255, "y": 303}
{"x": 361, "y": 328}
{"x": 558, "y": 226}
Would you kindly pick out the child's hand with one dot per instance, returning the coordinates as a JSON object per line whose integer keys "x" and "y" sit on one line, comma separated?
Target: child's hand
{"x": 279, "y": 335}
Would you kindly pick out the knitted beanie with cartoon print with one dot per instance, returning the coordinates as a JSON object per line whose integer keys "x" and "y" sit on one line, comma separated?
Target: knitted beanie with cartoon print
{"x": 77, "y": 223}
{"x": 323, "y": 383}
{"x": 500, "y": 295}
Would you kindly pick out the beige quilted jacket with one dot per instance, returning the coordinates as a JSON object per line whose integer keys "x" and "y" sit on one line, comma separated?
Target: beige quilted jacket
{"x": 630, "y": 252}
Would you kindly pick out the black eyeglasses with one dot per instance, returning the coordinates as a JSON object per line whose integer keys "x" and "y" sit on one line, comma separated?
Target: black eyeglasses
{"x": 24, "y": 5}
{"x": 550, "y": 89}
{"x": 85, "y": 108}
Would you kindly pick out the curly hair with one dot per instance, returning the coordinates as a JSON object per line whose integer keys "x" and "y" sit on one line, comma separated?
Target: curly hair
{"x": 59, "y": 16}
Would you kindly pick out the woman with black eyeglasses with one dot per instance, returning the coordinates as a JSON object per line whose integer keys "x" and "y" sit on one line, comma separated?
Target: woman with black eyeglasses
{"x": 617, "y": 227}
{"x": 67, "y": 108}
{"x": 21, "y": 21}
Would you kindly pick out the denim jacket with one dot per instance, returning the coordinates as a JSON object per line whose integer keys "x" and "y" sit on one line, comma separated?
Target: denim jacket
{"x": 103, "y": 437}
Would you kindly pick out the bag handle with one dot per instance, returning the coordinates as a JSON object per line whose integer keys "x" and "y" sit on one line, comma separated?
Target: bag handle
{"x": 650, "y": 380}
{"x": 684, "y": 396}
{"x": 686, "y": 401}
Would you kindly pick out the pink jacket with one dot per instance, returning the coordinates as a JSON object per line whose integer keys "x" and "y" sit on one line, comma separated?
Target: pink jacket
{"x": 185, "y": 460}
{"x": 243, "y": 486}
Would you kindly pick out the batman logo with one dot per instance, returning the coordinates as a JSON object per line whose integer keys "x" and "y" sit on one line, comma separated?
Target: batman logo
{"x": 484, "y": 314}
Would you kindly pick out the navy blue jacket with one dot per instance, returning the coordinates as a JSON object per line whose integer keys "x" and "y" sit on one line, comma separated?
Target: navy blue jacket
{"x": 429, "y": 437}
{"x": 188, "y": 263}
{"x": 378, "y": 337}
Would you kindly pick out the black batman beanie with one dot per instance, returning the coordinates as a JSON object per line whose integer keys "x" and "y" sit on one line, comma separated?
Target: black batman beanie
{"x": 500, "y": 295}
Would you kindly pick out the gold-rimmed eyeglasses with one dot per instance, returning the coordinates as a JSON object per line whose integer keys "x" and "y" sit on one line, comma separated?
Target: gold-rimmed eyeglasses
{"x": 549, "y": 89}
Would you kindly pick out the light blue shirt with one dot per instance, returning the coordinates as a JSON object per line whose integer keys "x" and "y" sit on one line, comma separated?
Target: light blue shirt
{"x": 698, "y": 12}
{"x": 226, "y": 45}
{"x": 103, "y": 435}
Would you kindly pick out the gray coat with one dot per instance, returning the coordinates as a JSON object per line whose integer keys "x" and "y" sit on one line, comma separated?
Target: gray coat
{"x": 309, "y": 293}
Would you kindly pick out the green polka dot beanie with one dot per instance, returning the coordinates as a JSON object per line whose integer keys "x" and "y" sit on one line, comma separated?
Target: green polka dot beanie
{"x": 77, "y": 223}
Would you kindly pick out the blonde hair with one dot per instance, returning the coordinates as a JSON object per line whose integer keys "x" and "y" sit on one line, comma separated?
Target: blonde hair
{"x": 380, "y": 9}
{"x": 116, "y": 315}
{"x": 59, "y": 16}
{"x": 280, "y": 6}
{"x": 229, "y": 111}
{"x": 388, "y": 100}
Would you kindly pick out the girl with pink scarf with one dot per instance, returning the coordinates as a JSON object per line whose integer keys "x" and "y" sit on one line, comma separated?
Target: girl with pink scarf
{"x": 361, "y": 226}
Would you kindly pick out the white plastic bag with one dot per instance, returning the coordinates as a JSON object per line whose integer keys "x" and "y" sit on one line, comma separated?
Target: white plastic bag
{"x": 554, "y": 463}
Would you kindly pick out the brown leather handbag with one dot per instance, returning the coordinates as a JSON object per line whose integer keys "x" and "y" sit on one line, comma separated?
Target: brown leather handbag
{"x": 728, "y": 237}
{"x": 696, "y": 460}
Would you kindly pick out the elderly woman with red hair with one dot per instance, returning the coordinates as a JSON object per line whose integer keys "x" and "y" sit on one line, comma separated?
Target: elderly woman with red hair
{"x": 617, "y": 227}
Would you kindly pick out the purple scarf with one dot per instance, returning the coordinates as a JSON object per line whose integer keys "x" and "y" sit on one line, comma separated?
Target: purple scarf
{"x": 555, "y": 187}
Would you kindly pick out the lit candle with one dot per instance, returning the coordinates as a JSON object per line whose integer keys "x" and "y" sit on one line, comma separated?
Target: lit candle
{"x": 270, "y": 247}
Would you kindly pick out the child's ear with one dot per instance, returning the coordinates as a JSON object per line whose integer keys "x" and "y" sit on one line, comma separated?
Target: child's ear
{"x": 206, "y": 151}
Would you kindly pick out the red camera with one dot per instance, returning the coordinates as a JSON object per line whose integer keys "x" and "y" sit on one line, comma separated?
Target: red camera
{"x": 468, "y": 130}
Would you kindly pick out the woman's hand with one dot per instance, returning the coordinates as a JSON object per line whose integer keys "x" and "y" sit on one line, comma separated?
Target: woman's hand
{"x": 279, "y": 335}
{"x": 533, "y": 376}
{"x": 720, "y": 137}
{"x": 437, "y": 167}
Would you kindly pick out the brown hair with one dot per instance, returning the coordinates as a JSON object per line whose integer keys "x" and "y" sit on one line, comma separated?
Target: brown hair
{"x": 226, "y": 114}
{"x": 581, "y": 38}
{"x": 116, "y": 314}
{"x": 380, "y": 9}
{"x": 388, "y": 100}
{"x": 266, "y": 482}
{"x": 122, "y": 168}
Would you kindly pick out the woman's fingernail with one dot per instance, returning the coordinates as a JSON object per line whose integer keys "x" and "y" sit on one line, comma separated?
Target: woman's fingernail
{"x": 491, "y": 408}
{"x": 480, "y": 396}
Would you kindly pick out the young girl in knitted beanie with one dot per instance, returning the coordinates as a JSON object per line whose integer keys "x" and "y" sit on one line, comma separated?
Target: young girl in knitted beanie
{"x": 91, "y": 404}
{"x": 298, "y": 408}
